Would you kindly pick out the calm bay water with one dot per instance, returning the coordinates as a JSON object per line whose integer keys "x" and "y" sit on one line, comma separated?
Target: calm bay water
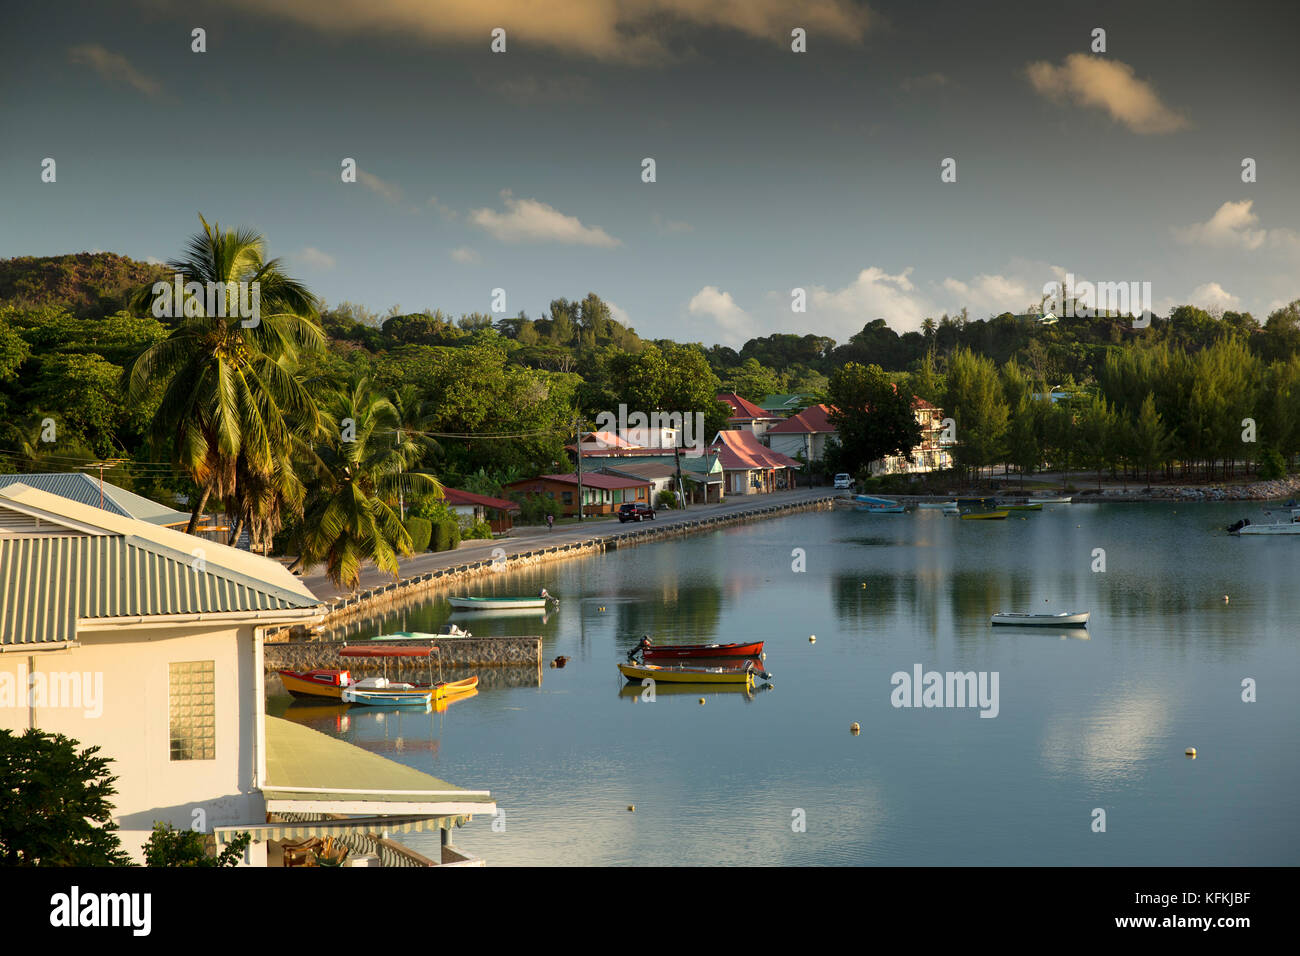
{"x": 1083, "y": 723}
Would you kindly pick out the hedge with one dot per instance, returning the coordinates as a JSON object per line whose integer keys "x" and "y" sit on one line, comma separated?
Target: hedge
{"x": 420, "y": 530}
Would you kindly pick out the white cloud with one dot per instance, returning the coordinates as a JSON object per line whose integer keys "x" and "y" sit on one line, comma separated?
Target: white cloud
{"x": 991, "y": 294}
{"x": 620, "y": 315}
{"x": 465, "y": 256}
{"x": 115, "y": 68}
{"x": 874, "y": 294}
{"x": 387, "y": 190}
{"x": 730, "y": 318}
{"x": 531, "y": 220}
{"x": 1109, "y": 85}
{"x": 312, "y": 258}
{"x": 1211, "y": 295}
{"x": 1233, "y": 225}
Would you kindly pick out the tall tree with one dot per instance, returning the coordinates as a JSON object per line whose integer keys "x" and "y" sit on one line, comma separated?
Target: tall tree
{"x": 227, "y": 390}
{"x": 874, "y": 419}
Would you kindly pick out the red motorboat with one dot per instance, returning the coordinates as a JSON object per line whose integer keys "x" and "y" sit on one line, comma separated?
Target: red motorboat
{"x": 672, "y": 652}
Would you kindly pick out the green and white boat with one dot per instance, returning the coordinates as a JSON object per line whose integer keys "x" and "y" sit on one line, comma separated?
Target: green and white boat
{"x": 541, "y": 602}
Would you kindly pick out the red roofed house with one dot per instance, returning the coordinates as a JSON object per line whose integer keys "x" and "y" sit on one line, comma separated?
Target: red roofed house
{"x": 746, "y": 416}
{"x": 805, "y": 433}
{"x": 750, "y": 467}
{"x": 495, "y": 511}
{"x": 601, "y": 494}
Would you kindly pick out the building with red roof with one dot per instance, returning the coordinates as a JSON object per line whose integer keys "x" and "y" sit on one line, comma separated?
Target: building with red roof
{"x": 751, "y": 468}
{"x": 746, "y": 416}
{"x": 804, "y": 434}
{"x": 601, "y": 494}
{"x": 495, "y": 511}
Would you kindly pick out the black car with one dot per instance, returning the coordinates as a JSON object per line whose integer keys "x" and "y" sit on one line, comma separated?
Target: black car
{"x": 635, "y": 511}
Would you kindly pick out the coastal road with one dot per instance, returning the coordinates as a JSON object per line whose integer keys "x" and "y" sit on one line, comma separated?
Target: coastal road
{"x": 529, "y": 538}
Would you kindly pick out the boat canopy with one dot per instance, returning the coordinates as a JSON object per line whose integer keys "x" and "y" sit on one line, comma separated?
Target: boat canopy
{"x": 387, "y": 651}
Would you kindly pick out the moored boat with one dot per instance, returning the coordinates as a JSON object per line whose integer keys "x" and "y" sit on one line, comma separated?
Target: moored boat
{"x": 934, "y": 504}
{"x": 1244, "y": 526}
{"x": 874, "y": 505}
{"x": 502, "y": 603}
{"x": 1027, "y": 506}
{"x": 395, "y": 696}
{"x": 447, "y": 630}
{"x": 1050, "y": 501}
{"x": 325, "y": 683}
{"x": 1062, "y": 619}
{"x": 690, "y": 675}
{"x": 984, "y": 516}
{"x": 668, "y": 652}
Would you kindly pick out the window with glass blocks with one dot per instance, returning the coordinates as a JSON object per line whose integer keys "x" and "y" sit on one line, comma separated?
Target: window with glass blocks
{"x": 192, "y": 703}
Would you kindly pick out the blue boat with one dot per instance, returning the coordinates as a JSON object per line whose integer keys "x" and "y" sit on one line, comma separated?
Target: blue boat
{"x": 879, "y": 506}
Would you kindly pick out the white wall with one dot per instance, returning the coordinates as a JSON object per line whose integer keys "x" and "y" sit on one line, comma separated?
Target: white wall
{"x": 129, "y": 720}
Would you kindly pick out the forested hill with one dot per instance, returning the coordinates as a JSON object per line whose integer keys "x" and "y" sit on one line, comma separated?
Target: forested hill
{"x": 86, "y": 284}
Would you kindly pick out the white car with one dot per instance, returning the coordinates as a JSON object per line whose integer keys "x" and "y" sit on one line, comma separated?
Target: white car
{"x": 842, "y": 480}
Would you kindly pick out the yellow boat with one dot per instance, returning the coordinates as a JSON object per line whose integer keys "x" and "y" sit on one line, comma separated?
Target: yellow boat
{"x": 984, "y": 516}
{"x": 689, "y": 675}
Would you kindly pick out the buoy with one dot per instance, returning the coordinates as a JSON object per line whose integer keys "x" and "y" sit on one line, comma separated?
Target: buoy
{"x": 631, "y": 808}
{"x": 701, "y": 700}
{"x": 763, "y": 656}
{"x": 864, "y": 585}
{"x": 1191, "y": 752}
{"x": 854, "y": 729}
{"x": 812, "y": 638}
{"x": 602, "y": 609}
{"x": 1225, "y": 599}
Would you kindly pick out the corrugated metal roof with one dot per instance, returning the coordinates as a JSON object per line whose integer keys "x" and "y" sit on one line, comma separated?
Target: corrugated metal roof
{"x": 48, "y": 583}
{"x": 79, "y": 486}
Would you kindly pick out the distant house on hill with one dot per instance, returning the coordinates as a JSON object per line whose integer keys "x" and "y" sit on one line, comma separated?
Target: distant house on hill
{"x": 931, "y": 454}
{"x": 747, "y": 416}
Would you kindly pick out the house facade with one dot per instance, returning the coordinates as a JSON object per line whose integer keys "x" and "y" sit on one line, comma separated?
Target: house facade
{"x": 148, "y": 643}
{"x": 497, "y": 512}
{"x": 750, "y": 467}
{"x": 803, "y": 434}
{"x": 746, "y": 416}
{"x": 932, "y": 454}
{"x": 600, "y": 493}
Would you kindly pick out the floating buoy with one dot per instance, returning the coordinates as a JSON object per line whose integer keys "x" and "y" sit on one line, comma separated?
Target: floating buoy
{"x": 763, "y": 656}
{"x": 864, "y": 585}
{"x": 1225, "y": 599}
{"x": 631, "y": 808}
{"x": 1191, "y": 752}
{"x": 602, "y": 609}
{"x": 701, "y": 700}
{"x": 812, "y": 638}
{"x": 854, "y": 729}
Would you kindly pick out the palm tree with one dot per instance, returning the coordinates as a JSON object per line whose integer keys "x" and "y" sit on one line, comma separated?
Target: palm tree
{"x": 231, "y": 401}
{"x": 361, "y": 466}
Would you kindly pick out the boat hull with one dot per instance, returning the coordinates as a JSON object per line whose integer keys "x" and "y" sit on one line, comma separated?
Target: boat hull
{"x": 668, "y": 652}
{"x": 497, "y": 604}
{"x": 1268, "y": 529}
{"x": 1041, "y": 620}
{"x": 1049, "y": 501}
{"x": 389, "y": 698}
{"x": 688, "y": 675}
{"x": 455, "y": 687}
{"x": 304, "y": 688}
{"x": 985, "y": 516}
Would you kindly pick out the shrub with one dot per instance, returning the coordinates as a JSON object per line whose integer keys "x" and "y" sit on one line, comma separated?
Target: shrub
{"x": 477, "y": 530}
{"x": 666, "y": 499}
{"x": 1272, "y": 465}
{"x": 442, "y": 534}
{"x": 171, "y": 847}
{"x": 421, "y": 532}
{"x": 533, "y": 509}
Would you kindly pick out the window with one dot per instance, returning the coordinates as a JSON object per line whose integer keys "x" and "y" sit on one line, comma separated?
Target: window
{"x": 568, "y": 497}
{"x": 192, "y": 706}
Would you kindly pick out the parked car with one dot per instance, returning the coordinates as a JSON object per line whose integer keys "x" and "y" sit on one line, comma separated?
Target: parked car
{"x": 635, "y": 511}
{"x": 843, "y": 480}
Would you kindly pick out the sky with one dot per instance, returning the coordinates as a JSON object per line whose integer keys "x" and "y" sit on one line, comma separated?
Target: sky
{"x": 774, "y": 169}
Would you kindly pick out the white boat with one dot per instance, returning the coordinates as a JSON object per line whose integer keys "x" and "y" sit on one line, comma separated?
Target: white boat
{"x": 1063, "y": 619}
{"x": 540, "y": 602}
{"x": 1049, "y": 501}
{"x": 878, "y": 506}
{"x": 936, "y": 504}
{"x": 1271, "y": 527}
{"x": 951, "y": 508}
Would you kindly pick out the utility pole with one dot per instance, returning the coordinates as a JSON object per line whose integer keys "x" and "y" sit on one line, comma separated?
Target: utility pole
{"x": 681, "y": 489}
{"x": 577, "y": 430}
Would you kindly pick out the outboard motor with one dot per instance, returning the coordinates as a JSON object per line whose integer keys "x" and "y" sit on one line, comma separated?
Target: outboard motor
{"x": 1234, "y": 528}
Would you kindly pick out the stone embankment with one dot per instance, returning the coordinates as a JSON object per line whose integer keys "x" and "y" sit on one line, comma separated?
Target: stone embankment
{"x": 511, "y": 661}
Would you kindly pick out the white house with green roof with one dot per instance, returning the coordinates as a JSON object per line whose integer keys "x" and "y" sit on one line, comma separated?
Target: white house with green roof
{"x": 147, "y": 642}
